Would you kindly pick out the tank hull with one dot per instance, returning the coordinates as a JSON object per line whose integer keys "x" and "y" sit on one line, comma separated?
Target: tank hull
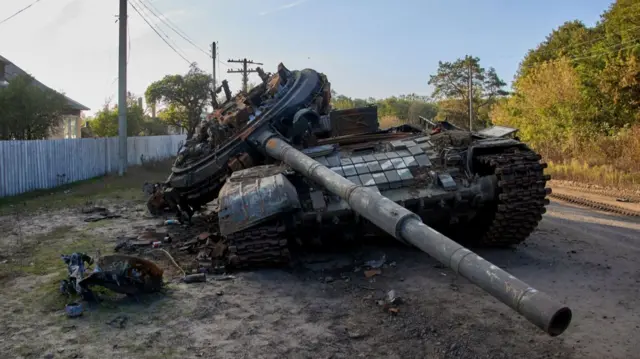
{"x": 275, "y": 182}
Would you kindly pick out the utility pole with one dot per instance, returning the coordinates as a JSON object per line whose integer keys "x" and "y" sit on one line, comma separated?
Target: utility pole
{"x": 244, "y": 71}
{"x": 213, "y": 56}
{"x": 122, "y": 88}
{"x": 470, "y": 94}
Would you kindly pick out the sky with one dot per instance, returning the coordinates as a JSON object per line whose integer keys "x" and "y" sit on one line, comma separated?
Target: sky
{"x": 367, "y": 48}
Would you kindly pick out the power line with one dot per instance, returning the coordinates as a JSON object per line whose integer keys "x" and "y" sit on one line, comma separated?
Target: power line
{"x": 18, "y": 12}
{"x": 599, "y": 53}
{"x": 594, "y": 40}
{"x": 166, "y": 36}
{"x": 172, "y": 26}
{"x": 157, "y": 33}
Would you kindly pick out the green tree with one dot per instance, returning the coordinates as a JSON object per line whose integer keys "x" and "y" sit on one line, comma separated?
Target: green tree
{"x": 28, "y": 112}
{"x": 571, "y": 39}
{"x": 548, "y": 108}
{"x": 174, "y": 115}
{"x": 577, "y": 95}
{"x": 187, "y": 94}
{"x": 421, "y": 108}
{"x": 105, "y": 123}
{"x": 154, "y": 126}
{"x": 451, "y": 82}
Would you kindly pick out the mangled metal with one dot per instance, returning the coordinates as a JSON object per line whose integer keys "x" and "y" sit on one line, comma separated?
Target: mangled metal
{"x": 277, "y": 181}
{"x": 119, "y": 273}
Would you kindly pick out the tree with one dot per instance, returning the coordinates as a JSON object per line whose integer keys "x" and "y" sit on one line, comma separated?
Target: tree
{"x": 28, "y": 112}
{"x": 174, "y": 115}
{"x": 420, "y": 108}
{"x": 548, "y": 108}
{"x": 571, "y": 39}
{"x": 154, "y": 126}
{"x": 187, "y": 95}
{"x": 106, "y": 121}
{"x": 451, "y": 82}
{"x": 576, "y": 95}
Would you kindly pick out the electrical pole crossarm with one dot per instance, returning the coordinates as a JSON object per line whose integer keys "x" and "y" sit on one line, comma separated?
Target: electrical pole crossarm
{"x": 245, "y": 71}
{"x": 241, "y": 71}
{"x": 245, "y": 60}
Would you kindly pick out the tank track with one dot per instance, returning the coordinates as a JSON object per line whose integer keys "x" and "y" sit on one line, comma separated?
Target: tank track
{"x": 605, "y": 207}
{"x": 266, "y": 245}
{"x": 521, "y": 196}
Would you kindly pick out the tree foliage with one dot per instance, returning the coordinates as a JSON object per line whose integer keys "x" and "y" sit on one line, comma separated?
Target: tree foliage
{"x": 577, "y": 94}
{"x": 186, "y": 95}
{"x": 106, "y": 121}
{"x": 28, "y": 112}
{"x": 451, "y": 86}
{"x": 405, "y": 108}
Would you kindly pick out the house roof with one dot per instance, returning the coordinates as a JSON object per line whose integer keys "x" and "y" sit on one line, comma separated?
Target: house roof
{"x": 11, "y": 71}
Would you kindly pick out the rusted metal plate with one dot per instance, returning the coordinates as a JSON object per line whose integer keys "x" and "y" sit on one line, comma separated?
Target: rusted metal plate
{"x": 354, "y": 121}
{"x": 247, "y": 201}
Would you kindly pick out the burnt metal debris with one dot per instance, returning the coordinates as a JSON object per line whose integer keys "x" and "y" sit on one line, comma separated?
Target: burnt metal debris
{"x": 119, "y": 273}
{"x": 280, "y": 177}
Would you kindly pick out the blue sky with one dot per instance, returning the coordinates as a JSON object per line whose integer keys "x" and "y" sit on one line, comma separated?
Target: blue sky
{"x": 368, "y": 48}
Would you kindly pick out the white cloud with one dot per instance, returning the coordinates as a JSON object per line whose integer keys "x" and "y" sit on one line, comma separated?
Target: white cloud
{"x": 283, "y": 7}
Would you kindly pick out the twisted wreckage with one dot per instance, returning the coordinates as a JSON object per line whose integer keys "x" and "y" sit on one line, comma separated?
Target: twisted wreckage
{"x": 280, "y": 174}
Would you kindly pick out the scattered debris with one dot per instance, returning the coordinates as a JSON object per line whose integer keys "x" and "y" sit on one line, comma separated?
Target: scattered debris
{"x": 372, "y": 272}
{"x": 156, "y": 203}
{"x": 119, "y": 273}
{"x": 91, "y": 210}
{"x": 219, "y": 293}
{"x": 146, "y": 239}
{"x": 99, "y": 214}
{"x": 74, "y": 309}
{"x": 625, "y": 200}
{"x": 129, "y": 245}
{"x": 195, "y": 278}
{"x": 169, "y": 222}
{"x": 392, "y": 298}
{"x": 76, "y": 269}
{"x": 355, "y": 334}
{"x": 119, "y": 322}
{"x": 376, "y": 263}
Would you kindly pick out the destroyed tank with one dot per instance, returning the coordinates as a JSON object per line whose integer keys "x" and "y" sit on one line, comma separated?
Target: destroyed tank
{"x": 274, "y": 183}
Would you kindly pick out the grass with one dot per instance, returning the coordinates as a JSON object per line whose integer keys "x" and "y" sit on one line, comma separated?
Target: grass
{"x": 127, "y": 187}
{"x": 603, "y": 175}
{"x": 40, "y": 257}
{"x": 37, "y": 258}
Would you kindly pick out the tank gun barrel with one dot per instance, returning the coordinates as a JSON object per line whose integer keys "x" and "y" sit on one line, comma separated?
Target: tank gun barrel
{"x": 539, "y": 308}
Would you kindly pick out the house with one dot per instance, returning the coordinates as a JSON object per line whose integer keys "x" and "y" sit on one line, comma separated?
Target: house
{"x": 72, "y": 121}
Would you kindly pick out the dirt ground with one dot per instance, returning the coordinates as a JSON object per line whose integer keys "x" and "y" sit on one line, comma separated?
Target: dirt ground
{"x": 322, "y": 307}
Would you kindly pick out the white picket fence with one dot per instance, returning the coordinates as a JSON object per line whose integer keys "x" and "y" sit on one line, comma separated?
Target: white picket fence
{"x": 30, "y": 165}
